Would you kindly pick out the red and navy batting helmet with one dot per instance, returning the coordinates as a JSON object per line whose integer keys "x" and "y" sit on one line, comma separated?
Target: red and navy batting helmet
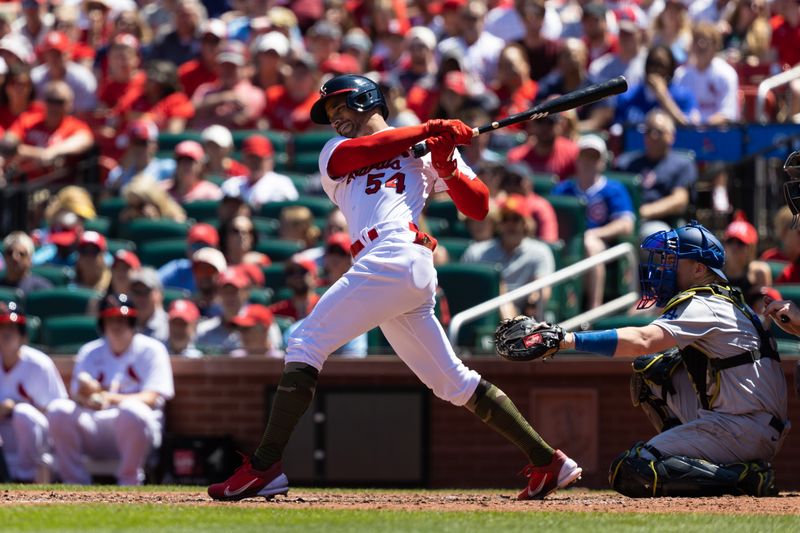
{"x": 11, "y": 313}
{"x": 116, "y": 305}
{"x": 362, "y": 93}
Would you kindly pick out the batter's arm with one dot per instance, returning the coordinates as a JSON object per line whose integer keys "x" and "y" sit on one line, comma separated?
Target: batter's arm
{"x": 630, "y": 342}
{"x": 361, "y": 152}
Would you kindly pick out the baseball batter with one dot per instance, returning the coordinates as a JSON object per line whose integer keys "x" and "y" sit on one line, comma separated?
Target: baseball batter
{"x": 715, "y": 388}
{"x": 29, "y": 381}
{"x": 369, "y": 173}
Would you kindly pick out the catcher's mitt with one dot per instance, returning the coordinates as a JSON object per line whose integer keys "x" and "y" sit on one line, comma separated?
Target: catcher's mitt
{"x": 522, "y": 338}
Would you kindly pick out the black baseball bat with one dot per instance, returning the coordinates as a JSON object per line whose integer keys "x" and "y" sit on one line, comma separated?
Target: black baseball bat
{"x": 581, "y": 97}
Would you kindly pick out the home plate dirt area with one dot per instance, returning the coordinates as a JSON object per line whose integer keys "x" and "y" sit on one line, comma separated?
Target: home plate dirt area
{"x": 576, "y": 500}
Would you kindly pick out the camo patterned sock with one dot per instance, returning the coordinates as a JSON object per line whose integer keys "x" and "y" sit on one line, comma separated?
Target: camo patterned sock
{"x": 491, "y": 405}
{"x": 294, "y": 395}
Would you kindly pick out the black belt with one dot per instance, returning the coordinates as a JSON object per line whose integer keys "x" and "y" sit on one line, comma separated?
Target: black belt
{"x": 777, "y": 425}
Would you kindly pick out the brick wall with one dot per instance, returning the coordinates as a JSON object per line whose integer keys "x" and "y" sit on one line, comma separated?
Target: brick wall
{"x": 582, "y": 406}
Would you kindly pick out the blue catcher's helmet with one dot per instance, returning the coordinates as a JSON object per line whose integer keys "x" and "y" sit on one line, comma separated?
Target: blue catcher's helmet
{"x": 362, "y": 93}
{"x": 658, "y": 275}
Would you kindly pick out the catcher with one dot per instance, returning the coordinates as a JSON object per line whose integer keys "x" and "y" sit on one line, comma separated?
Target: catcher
{"x": 715, "y": 389}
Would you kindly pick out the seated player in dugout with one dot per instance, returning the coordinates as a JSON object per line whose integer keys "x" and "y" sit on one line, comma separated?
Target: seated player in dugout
{"x": 712, "y": 386}
{"x": 368, "y": 171}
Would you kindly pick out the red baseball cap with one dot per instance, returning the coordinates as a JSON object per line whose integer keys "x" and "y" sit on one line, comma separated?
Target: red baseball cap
{"x": 234, "y": 276}
{"x": 205, "y": 233}
{"x": 142, "y": 130}
{"x": 191, "y": 149}
{"x": 453, "y": 4}
{"x": 341, "y": 64}
{"x": 55, "y": 40}
{"x": 253, "y": 314}
{"x": 258, "y": 145}
{"x": 255, "y": 274}
{"x": 183, "y": 310}
{"x": 129, "y": 258}
{"x": 515, "y": 203}
{"x": 93, "y": 238}
{"x": 741, "y": 230}
{"x": 10, "y": 313}
{"x": 126, "y": 39}
{"x": 456, "y": 81}
{"x": 340, "y": 240}
{"x": 64, "y": 231}
{"x": 305, "y": 263}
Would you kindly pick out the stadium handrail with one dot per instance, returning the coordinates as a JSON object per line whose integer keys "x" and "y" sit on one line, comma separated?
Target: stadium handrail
{"x": 769, "y": 84}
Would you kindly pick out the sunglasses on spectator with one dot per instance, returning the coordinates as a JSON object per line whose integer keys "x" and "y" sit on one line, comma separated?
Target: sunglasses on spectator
{"x": 295, "y": 272}
{"x": 241, "y": 231}
{"x": 141, "y": 290}
{"x": 89, "y": 250}
{"x": 654, "y": 132}
{"x": 15, "y": 253}
{"x": 735, "y": 242}
{"x": 54, "y": 100}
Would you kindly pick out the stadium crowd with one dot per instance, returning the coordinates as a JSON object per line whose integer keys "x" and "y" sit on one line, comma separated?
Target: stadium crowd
{"x": 203, "y": 211}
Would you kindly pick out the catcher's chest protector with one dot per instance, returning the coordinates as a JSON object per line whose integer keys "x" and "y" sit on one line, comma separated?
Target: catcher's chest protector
{"x": 698, "y": 362}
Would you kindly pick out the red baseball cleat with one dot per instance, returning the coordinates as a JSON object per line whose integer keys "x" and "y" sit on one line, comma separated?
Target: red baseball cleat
{"x": 543, "y": 480}
{"x": 247, "y": 482}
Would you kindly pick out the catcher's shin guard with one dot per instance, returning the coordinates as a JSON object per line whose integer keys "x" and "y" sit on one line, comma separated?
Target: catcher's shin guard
{"x": 641, "y": 472}
{"x": 656, "y": 369}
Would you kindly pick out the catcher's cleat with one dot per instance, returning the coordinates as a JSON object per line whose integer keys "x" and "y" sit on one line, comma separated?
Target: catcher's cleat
{"x": 247, "y": 482}
{"x": 543, "y": 480}
{"x": 758, "y": 479}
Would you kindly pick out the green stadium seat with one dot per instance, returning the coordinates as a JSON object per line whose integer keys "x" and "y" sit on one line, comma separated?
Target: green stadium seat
{"x": 160, "y": 252}
{"x": 319, "y": 206}
{"x": 377, "y": 343}
{"x": 483, "y": 282}
{"x": 61, "y": 332}
{"x": 202, "y": 210}
{"x": 274, "y": 276}
{"x": 114, "y": 245}
{"x": 260, "y": 295}
{"x": 33, "y": 327}
{"x": 168, "y": 141}
{"x": 55, "y": 274}
{"x": 280, "y": 140}
{"x": 68, "y": 350}
{"x": 278, "y": 249}
{"x": 111, "y": 208}
{"x": 100, "y": 224}
{"x": 267, "y": 227}
{"x": 624, "y": 321}
{"x": 173, "y": 293}
{"x": 311, "y": 141}
{"x": 438, "y": 227}
{"x": 543, "y": 183}
{"x": 60, "y": 301}
{"x": 565, "y": 298}
{"x": 11, "y": 294}
{"x": 305, "y": 162}
{"x": 789, "y": 291}
{"x": 776, "y": 268}
{"x": 144, "y": 230}
{"x": 446, "y": 210}
{"x": 455, "y": 246}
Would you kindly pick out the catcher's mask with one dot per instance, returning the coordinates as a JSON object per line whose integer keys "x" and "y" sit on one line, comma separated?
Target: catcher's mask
{"x": 791, "y": 188}
{"x": 658, "y": 275}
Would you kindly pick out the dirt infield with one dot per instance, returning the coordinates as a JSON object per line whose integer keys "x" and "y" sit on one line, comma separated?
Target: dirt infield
{"x": 787, "y": 503}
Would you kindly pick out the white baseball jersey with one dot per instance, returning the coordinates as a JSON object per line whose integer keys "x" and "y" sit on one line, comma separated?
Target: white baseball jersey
{"x": 144, "y": 366}
{"x": 716, "y": 88}
{"x": 394, "y": 190}
{"x": 34, "y": 380}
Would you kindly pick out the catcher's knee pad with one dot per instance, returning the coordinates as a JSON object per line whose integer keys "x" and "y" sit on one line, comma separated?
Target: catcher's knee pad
{"x": 655, "y": 369}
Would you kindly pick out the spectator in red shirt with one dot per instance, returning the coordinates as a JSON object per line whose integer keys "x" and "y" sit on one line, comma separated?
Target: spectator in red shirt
{"x": 50, "y": 136}
{"x": 301, "y": 279}
{"x": 56, "y": 65}
{"x": 123, "y": 78}
{"x": 598, "y": 40}
{"x": 514, "y": 181}
{"x": 289, "y": 105}
{"x": 231, "y": 101}
{"x": 547, "y": 149}
{"x": 188, "y": 184}
{"x": 788, "y": 237}
{"x": 218, "y": 145}
{"x": 16, "y": 97}
{"x": 203, "y": 69}
{"x": 66, "y": 21}
{"x": 786, "y": 35}
{"x": 162, "y": 100}
{"x": 514, "y": 87}
{"x": 542, "y": 52}
{"x": 269, "y": 51}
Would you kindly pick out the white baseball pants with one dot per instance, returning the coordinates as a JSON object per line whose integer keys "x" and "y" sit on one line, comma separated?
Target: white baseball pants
{"x": 25, "y": 442}
{"x": 127, "y": 432}
{"x": 392, "y": 285}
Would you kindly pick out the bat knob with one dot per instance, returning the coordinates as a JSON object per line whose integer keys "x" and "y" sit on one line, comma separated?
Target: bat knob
{"x": 419, "y": 149}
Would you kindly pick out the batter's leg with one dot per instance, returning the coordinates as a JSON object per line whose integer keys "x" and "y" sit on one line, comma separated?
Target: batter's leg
{"x": 420, "y": 342}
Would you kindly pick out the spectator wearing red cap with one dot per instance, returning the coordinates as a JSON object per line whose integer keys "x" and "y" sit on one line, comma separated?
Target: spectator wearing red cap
{"x": 125, "y": 263}
{"x": 91, "y": 270}
{"x": 54, "y": 137}
{"x": 140, "y": 145}
{"x": 269, "y": 52}
{"x": 182, "y": 44}
{"x": 18, "y": 251}
{"x": 232, "y": 100}
{"x": 183, "y": 317}
{"x": 263, "y": 185}
{"x": 481, "y": 49}
{"x": 521, "y": 258}
{"x": 218, "y": 335}
{"x": 289, "y": 105}
{"x": 253, "y": 323}
{"x": 188, "y": 184}
{"x": 162, "y": 100}
{"x": 514, "y": 87}
{"x": 218, "y": 145}
{"x": 301, "y": 279}
{"x": 336, "y": 259}
{"x": 741, "y": 267}
{"x": 204, "y": 68}
{"x": 178, "y": 272}
{"x": 57, "y": 67}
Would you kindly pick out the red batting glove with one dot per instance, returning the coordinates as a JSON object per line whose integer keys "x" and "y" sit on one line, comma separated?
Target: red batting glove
{"x": 460, "y": 131}
{"x": 442, "y": 148}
